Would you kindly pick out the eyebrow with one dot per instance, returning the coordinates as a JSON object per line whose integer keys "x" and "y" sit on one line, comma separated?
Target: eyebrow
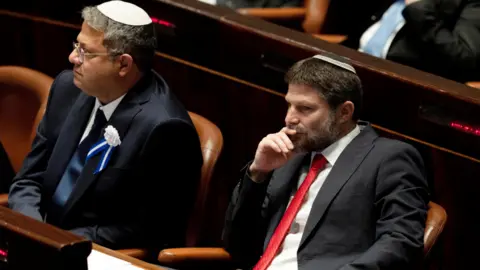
{"x": 83, "y": 44}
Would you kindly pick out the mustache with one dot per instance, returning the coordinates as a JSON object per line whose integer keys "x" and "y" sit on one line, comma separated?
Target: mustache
{"x": 297, "y": 128}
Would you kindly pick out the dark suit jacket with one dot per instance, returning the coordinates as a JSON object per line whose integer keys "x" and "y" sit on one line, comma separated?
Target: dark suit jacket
{"x": 143, "y": 197}
{"x": 369, "y": 214}
{"x": 441, "y": 37}
{"x": 259, "y": 3}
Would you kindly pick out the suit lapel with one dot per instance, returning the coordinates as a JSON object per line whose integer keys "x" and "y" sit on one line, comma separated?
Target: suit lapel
{"x": 68, "y": 139}
{"x": 279, "y": 190}
{"x": 121, "y": 119}
{"x": 344, "y": 167}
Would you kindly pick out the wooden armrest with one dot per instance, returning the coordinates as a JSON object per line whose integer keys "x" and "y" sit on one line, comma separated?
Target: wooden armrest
{"x": 4, "y": 199}
{"x": 138, "y": 253}
{"x": 474, "y": 84}
{"x": 331, "y": 38}
{"x": 274, "y": 13}
{"x": 173, "y": 256}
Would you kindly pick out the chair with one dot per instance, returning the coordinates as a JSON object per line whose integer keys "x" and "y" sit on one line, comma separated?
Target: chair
{"x": 23, "y": 98}
{"x": 26, "y": 86}
{"x": 436, "y": 219}
{"x": 310, "y": 17}
{"x": 474, "y": 84}
{"x": 211, "y": 141}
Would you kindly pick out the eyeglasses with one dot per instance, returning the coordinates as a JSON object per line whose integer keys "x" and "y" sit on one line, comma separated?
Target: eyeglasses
{"x": 81, "y": 52}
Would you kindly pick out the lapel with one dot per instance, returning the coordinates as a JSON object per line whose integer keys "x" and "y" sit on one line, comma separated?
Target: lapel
{"x": 346, "y": 164}
{"x": 67, "y": 142}
{"x": 280, "y": 189}
{"x": 121, "y": 119}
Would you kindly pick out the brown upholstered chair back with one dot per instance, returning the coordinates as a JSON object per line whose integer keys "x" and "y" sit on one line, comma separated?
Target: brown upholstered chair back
{"x": 23, "y": 98}
{"x": 313, "y": 16}
{"x": 474, "y": 84}
{"x": 436, "y": 219}
{"x": 211, "y": 141}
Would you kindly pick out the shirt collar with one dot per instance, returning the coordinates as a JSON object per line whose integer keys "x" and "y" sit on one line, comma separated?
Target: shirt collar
{"x": 109, "y": 108}
{"x": 333, "y": 151}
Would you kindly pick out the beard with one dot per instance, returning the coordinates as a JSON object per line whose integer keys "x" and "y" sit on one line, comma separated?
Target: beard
{"x": 315, "y": 139}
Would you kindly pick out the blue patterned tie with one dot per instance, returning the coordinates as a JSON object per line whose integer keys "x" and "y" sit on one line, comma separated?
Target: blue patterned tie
{"x": 74, "y": 168}
{"x": 389, "y": 24}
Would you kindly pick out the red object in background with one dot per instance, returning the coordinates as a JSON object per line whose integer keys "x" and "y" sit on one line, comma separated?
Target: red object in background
{"x": 465, "y": 128}
{"x": 162, "y": 22}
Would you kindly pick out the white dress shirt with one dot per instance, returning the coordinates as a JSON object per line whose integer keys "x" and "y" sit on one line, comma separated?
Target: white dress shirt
{"x": 287, "y": 256}
{"x": 368, "y": 34}
{"x": 107, "y": 109}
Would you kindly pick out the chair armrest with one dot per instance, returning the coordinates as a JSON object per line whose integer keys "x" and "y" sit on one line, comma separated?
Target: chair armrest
{"x": 4, "y": 199}
{"x": 474, "y": 84}
{"x": 436, "y": 220}
{"x": 331, "y": 38}
{"x": 138, "y": 253}
{"x": 174, "y": 256}
{"x": 274, "y": 13}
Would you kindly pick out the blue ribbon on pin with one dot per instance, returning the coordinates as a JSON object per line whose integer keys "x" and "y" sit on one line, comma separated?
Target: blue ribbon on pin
{"x": 99, "y": 147}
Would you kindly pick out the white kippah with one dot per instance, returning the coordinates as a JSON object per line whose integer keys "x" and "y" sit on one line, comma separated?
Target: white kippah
{"x": 336, "y": 62}
{"x": 124, "y": 12}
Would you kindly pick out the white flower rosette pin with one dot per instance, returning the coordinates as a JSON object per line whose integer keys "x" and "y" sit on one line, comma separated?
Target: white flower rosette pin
{"x": 112, "y": 137}
{"x": 110, "y": 140}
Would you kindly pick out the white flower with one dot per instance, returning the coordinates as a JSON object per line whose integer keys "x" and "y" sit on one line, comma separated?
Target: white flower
{"x": 112, "y": 137}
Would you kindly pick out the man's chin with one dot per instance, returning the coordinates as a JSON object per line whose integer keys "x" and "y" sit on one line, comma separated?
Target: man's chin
{"x": 305, "y": 146}
{"x": 76, "y": 82}
{"x": 80, "y": 86}
{"x": 299, "y": 146}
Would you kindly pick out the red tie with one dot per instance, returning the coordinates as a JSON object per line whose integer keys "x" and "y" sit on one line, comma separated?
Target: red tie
{"x": 281, "y": 231}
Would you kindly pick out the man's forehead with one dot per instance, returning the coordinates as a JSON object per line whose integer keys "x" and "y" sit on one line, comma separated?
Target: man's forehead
{"x": 90, "y": 36}
{"x": 303, "y": 93}
{"x": 301, "y": 89}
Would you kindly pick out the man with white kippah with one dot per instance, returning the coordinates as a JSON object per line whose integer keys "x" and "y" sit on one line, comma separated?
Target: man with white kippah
{"x": 326, "y": 192}
{"x": 115, "y": 148}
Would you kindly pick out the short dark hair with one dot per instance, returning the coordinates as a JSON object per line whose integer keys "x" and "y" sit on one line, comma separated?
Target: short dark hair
{"x": 335, "y": 84}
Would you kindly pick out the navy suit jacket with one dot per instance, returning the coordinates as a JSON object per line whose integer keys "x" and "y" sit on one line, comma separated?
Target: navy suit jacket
{"x": 369, "y": 214}
{"x": 144, "y": 195}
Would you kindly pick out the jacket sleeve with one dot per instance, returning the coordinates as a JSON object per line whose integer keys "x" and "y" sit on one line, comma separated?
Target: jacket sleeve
{"x": 453, "y": 32}
{"x": 245, "y": 225}
{"x": 26, "y": 189}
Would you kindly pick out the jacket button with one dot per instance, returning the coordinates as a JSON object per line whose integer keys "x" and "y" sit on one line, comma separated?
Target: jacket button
{"x": 295, "y": 228}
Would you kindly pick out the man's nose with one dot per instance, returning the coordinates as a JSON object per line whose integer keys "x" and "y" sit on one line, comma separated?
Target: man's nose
{"x": 291, "y": 119}
{"x": 73, "y": 58}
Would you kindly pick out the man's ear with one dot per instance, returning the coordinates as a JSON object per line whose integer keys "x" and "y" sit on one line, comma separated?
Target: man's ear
{"x": 345, "y": 111}
{"x": 126, "y": 64}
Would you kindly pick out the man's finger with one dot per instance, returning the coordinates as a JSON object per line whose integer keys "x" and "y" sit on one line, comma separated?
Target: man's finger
{"x": 283, "y": 136}
{"x": 288, "y": 131}
{"x": 279, "y": 141}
